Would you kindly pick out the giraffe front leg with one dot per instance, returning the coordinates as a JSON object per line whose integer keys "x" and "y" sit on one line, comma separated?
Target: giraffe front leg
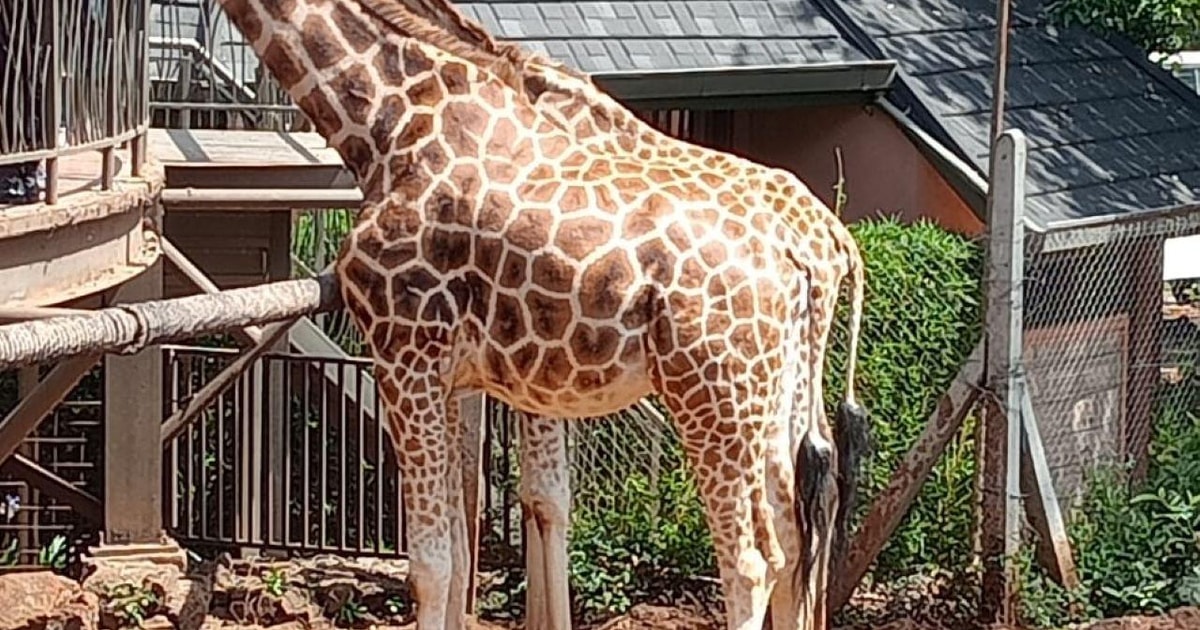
{"x": 546, "y": 499}
{"x": 416, "y": 414}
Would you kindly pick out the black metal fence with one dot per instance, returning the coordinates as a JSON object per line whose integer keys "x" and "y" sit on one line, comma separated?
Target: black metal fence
{"x": 72, "y": 79}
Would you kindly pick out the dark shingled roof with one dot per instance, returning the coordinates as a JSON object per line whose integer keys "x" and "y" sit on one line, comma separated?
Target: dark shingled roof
{"x": 614, "y": 36}
{"x": 1108, "y": 132}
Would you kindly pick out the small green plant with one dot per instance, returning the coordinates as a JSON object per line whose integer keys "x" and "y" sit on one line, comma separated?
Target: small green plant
{"x": 275, "y": 582}
{"x": 54, "y": 555}
{"x": 10, "y": 554}
{"x": 351, "y": 612}
{"x": 130, "y": 604}
{"x": 395, "y": 605}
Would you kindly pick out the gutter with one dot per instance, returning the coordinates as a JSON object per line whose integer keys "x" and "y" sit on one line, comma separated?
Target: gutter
{"x": 857, "y": 77}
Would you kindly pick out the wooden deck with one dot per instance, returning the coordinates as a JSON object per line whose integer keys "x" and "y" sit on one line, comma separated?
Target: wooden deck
{"x": 195, "y": 147}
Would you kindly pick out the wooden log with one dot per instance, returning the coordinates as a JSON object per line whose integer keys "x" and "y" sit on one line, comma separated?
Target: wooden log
{"x": 128, "y": 328}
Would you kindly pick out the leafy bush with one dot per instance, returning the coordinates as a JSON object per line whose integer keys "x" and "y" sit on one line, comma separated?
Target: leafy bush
{"x": 1137, "y": 548}
{"x": 922, "y": 317}
{"x": 1165, "y": 26}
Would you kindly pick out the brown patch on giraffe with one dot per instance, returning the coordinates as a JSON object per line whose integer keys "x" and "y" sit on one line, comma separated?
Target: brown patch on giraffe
{"x": 589, "y": 380}
{"x": 713, "y": 254}
{"x": 657, "y": 261}
{"x": 454, "y": 75}
{"x": 525, "y": 358}
{"x": 462, "y": 125}
{"x": 604, "y": 199}
{"x": 594, "y": 346}
{"x": 552, "y": 273}
{"x": 631, "y": 351}
{"x": 357, "y": 154}
{"x": 372, "y": 285}
{"x": 550, "y": 315}
{"x": 281, "y": 10}
{"x": 554, "y": 369}
{"x": 553, "y": 146}
{"x": 508, "y": 321}
{"x": 387, "y": 121}
{"x": 434, "y": 157}
{"x": 677, "y": 235}
{"x": 466, "y": 176}
{"x": 419, "y": 127}
{"x": 353, "y": 29}
{"x": 513, "y": 273}
{"x": 494, "y": 211}
{"x": 500, "y": 172}
{"x": 693, "y": 275}
{"x": 356, "y": 92}
{"x": 488, "y": 251}
{"x": 248, "y": 21}
{"x": 659, "y": 175}
{"x": 408, "y": 290}
{"x": 381, "y": 338}
{"x": 398, "y": 222}
{"x": 573, "y": 198}
{"x": 393, "y": 256}
{"x": 324, "y": 50}
{"x": 538, "y": 193}
{"x": 603, "y": 285}
{"x": 504, "y": 137}
{"x": 574, "y": 160}
{"x": 630, "y": 187}
{"x": 598, "y": 170}
{"x": 427, "y": 92}
{"x": 446, "y": 250}
{"x": 584, "y": 129}
{"x": 579, "y": 236}
{"x": 531, "y": 229}
{"x": 284, "y": 66}
{"x": 493, "y": 95}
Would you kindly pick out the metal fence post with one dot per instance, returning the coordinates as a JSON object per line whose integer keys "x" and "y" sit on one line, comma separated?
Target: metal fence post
{"x": 52, "y": 114}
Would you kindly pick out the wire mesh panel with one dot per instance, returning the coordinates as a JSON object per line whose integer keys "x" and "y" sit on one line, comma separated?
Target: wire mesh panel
{"x": 1105, "y": 360}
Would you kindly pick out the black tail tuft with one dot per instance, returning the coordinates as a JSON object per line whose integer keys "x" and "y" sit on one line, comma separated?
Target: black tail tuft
{"x": 814, "y": 482}
{"x": 852, "y": 438}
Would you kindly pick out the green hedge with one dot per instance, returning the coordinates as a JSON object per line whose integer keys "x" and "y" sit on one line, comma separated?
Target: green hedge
{"x": 921, "y": 318}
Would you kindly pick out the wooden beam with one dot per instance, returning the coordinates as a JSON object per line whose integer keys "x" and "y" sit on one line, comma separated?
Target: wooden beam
{"x": 49, "y": 392}
{"x": 32, "y": 473}
{"x": 259, "y": 199}
{"x": 1041, "y": 501}
{"x": 202, "y": 281}
{"x": 893, "y": 503}
{"x": 1000, "y": 469}
{"x": 128, "y": 328}
{"x": 25, "y": 313}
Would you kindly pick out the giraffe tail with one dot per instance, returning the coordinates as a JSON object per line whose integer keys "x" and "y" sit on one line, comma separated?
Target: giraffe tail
{"x": 851, "y": 429}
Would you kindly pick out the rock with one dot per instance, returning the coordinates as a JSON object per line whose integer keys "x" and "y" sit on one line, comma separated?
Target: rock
{"x": 45, "y": 601}
{"x": 131, "y": 587}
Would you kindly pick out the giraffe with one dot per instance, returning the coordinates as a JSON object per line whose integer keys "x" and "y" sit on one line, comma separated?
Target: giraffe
{"x": 493, "y": 253}
{"x": 831, "y": 256}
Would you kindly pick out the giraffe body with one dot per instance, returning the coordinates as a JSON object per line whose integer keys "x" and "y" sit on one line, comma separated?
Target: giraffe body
{"x": 569, "y": 279}
{"x": 827, "y": 252}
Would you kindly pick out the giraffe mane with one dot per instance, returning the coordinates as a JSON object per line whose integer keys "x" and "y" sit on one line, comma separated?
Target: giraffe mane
{"x": 505, "y": 66}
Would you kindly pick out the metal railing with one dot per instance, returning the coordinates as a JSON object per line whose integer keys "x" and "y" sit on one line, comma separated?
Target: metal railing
{"x": 73, "y": 79}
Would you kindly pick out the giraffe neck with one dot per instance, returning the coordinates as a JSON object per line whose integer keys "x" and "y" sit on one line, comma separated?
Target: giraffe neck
{"x": 354, "y": 73}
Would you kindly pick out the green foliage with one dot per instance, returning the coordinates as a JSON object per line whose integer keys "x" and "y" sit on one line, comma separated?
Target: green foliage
{"x": 1137, "y": 548}
{"x": 130, "y": 604}
{"x": 921, "y": 318}
{"x": 1164, "y": 26}
{"x": 648, "y": 541}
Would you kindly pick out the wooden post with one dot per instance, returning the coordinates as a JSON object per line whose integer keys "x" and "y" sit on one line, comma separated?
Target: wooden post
{"x": 1041, "y": 501}
{"x": 893, "y": 502}
{"x": 1001, "y": 464}
{"x": 133, "y": 406}
{"x": 279, "y": 267}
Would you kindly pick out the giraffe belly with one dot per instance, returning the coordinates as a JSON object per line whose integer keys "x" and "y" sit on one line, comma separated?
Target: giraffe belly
{"x": 566, "y": 390}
